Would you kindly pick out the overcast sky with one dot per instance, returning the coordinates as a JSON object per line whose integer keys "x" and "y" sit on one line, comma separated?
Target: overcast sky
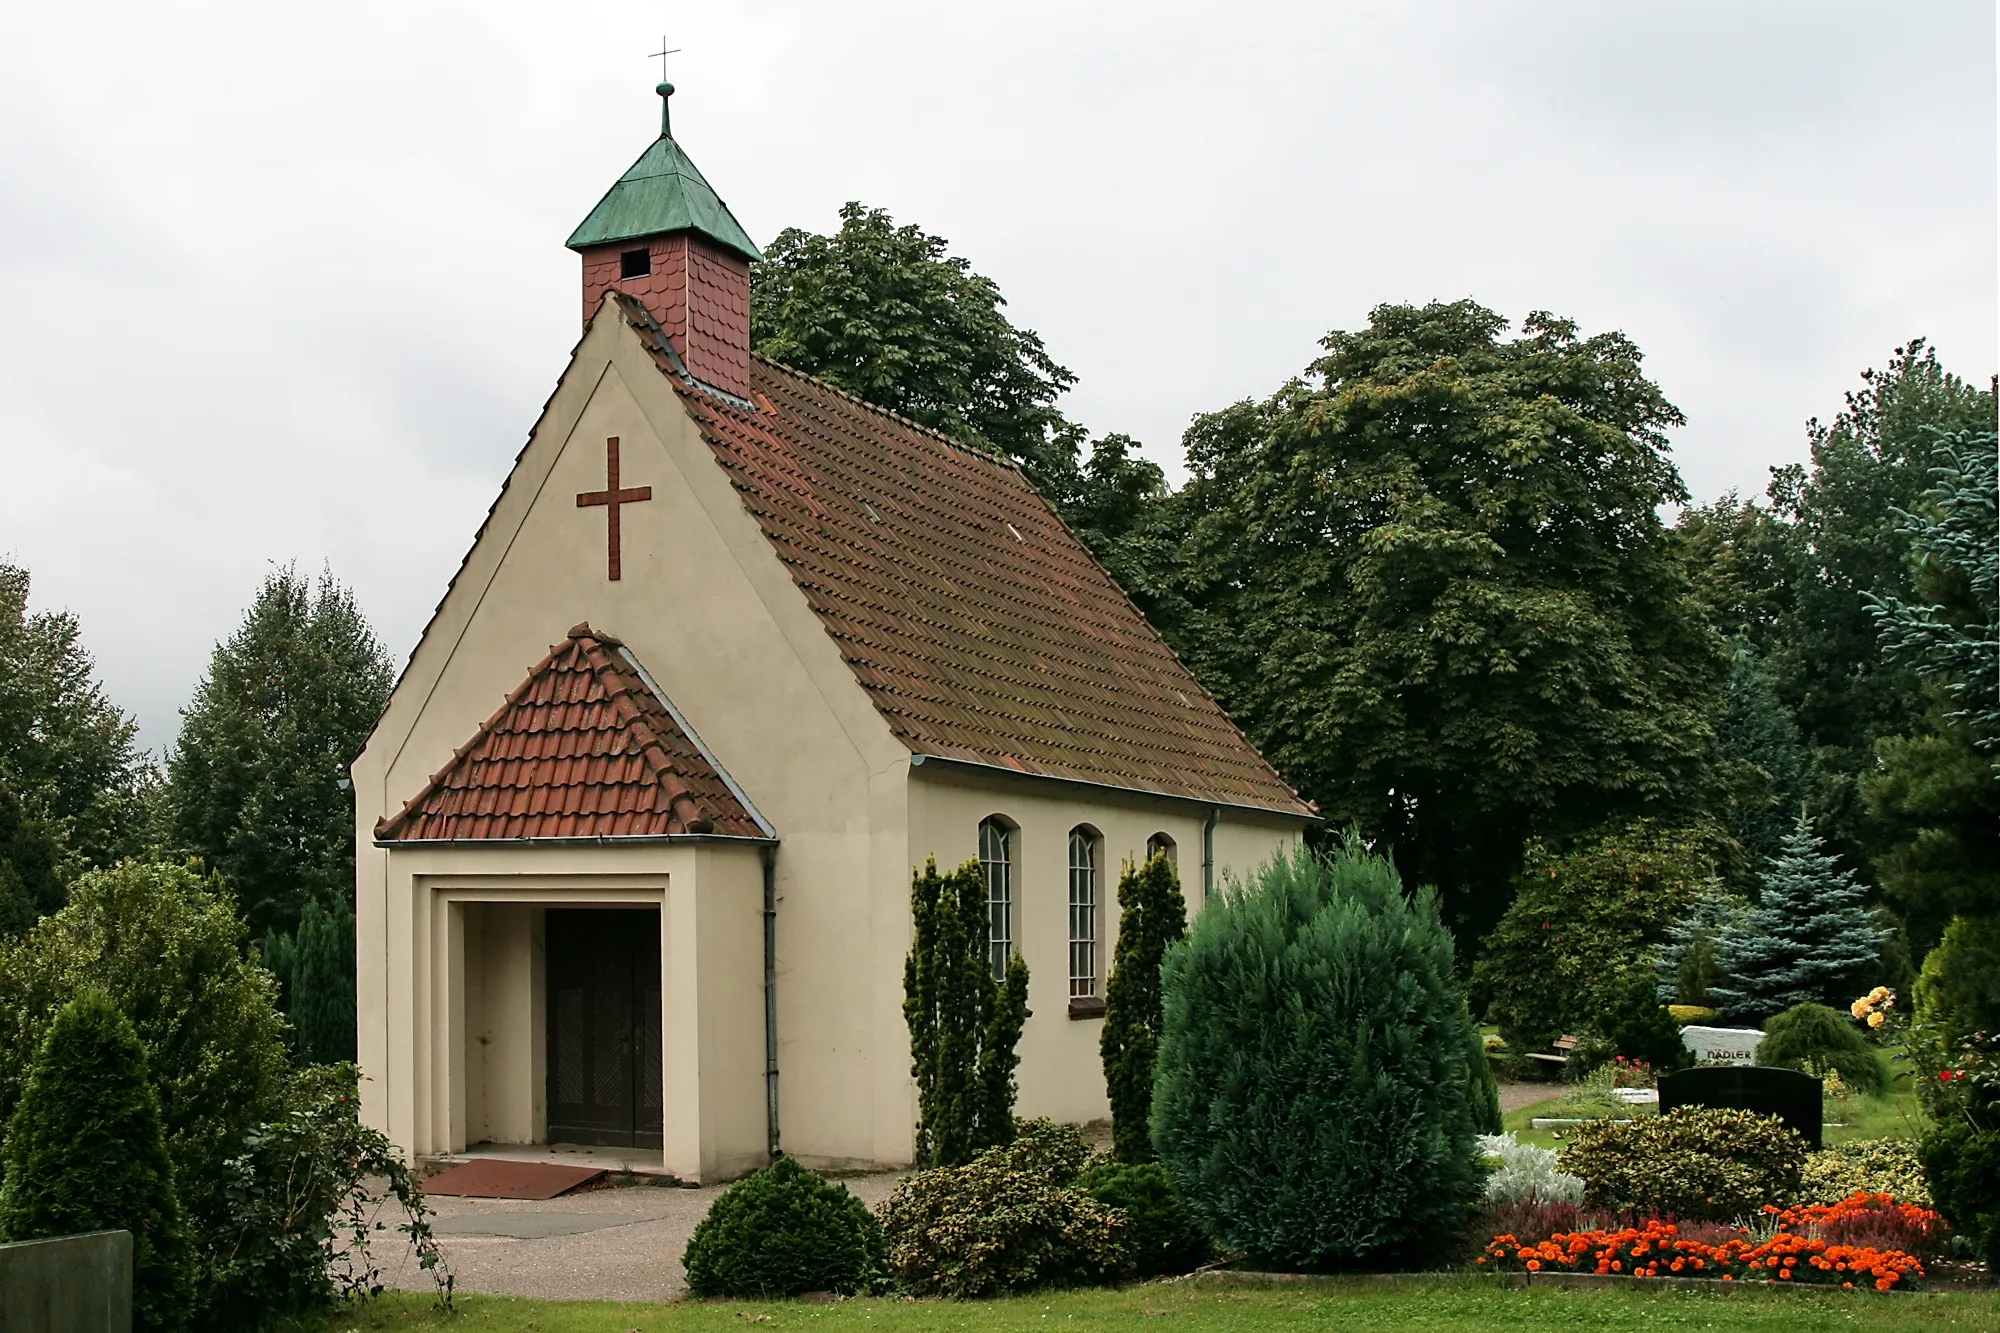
{"x": 287, "y": 283}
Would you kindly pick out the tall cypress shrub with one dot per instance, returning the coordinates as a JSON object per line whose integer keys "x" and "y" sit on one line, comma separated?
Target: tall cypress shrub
{"x": 964, "y": 1023}
{"x": 1152, "y": 916}
{"x": 1312, "y": 1103}
{"x": 322, "y": 984}
{"x": 85, "y": 1153}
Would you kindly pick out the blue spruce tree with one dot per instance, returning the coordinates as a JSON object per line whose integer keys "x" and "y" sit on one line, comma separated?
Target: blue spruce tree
{"x": 1808, "y": 940}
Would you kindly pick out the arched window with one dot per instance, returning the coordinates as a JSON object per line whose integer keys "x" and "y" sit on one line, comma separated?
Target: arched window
{"x": 1161, "y": 842}
{"x": 1083, "y": 859}
{"x": 996, "y": 861}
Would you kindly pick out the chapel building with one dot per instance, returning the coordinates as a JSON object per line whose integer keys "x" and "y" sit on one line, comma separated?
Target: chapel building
{"x": 731, "y": 656}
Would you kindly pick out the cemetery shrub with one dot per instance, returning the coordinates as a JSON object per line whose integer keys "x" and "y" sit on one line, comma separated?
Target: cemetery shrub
{"x": 1820, "y": 1041}
{"x": 166, "y": 947}
{"x": 1152, "y": 916}
{"x": 964, "y": 1024}
{"x": 1962, "y": 1169}
{"x": 1582, "y": 919}
{"x": 1958, "y": 991}
{"x": 1163, "y": 1239}
{"x": 84, "y": 1153}
{"x": 1697, "y": 1163}
{"x": 1312, "y": 1100}
{"x": 1006, "y": 1221}
{"x": 1639, "y": 1027}
{"x": 784, "y": 1231}
{"x": 1865, "y": 1166}
{"x": 304, "y": 1197}
{"x": 322, "y": 984}
{"x": 1041, "y": 1145}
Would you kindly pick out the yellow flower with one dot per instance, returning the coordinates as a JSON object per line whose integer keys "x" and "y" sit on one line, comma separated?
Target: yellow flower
{"x": 1860, "y": 1008}
{"x": 1876, "y": 1020}
{"x": 1880, "y": 993}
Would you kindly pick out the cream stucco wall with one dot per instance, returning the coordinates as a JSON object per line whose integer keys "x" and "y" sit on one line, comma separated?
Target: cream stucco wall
{"x": 1061, "y": 1074}
{"x": 450, "y": 1002}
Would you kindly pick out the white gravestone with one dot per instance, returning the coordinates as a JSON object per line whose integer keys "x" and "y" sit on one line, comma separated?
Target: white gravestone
{"x": 1722, "y": 1046}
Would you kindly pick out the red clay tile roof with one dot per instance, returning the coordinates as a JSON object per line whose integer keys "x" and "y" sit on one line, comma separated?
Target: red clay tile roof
{"x": 978, "y": 623}
{"x": 584, "y": 748}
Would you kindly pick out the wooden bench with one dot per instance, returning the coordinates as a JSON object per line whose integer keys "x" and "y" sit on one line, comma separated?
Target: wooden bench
{"x": 1565, "y": 1048}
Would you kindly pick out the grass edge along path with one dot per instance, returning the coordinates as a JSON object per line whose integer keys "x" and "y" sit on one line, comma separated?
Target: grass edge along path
{"x": 1359, "y": 1305}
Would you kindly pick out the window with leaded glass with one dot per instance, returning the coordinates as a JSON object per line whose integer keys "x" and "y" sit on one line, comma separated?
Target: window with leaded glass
{"x": 1159, "y": 843}
{"x": 1083, "y": 858}
{"x": 996, "y": 862}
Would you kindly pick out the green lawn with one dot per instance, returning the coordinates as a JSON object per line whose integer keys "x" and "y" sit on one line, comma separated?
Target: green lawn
{"x": 1429, "y": 1305}
{"x": 1895, "y": 1116}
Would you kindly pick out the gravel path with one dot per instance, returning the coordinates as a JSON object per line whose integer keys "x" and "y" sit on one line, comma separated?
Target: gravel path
{"x": 607, "y": 1244}
{"x": 622, "y": 1244}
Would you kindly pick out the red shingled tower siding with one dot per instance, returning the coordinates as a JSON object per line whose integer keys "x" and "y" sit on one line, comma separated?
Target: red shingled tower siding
{"x": 707, "y": 319}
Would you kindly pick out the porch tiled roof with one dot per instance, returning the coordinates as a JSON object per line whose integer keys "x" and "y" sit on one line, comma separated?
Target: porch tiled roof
{"x": 979, "y": 625}
{"x": 583, "y": 748}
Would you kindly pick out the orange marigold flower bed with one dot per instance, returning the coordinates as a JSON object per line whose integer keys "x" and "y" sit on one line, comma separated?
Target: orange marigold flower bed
{"x": 1657, "y": 1249}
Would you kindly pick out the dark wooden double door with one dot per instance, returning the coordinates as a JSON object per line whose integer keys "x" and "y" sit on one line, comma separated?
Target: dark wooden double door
{"x": 604, "y": 1027}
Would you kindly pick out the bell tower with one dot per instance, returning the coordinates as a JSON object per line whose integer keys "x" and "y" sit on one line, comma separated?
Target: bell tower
{"x": 662, "y": 236}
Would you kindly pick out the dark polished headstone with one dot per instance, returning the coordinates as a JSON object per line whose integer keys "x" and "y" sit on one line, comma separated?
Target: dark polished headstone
{"x": 1785, "y": 1093}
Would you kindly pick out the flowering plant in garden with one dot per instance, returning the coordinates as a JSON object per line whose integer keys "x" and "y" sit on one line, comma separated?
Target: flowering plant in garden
{"x": 1874, "y": 1008}
{"x": 1879, "y": 1221}
{"x": 1658, "y": 1249}
{"x": 1633, "y": 1073}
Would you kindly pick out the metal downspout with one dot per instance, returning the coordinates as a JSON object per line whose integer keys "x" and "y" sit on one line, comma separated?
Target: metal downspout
{"x": 1208, "y": 854}
{"x": 771, "y": 1001}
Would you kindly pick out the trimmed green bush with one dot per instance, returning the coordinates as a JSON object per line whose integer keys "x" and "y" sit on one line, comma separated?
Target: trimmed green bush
{"x": 1817, "y": 1040}
{"x": 1001, "y": 1223}
{"x": 1312, "y": 1103}
{"x": 1865, "y": 1166}
{"x": 1962, "y": 1168}
{"x": 165, "y": 945}
{"x": 1152, "y": 916}
{"x": 784, "y": 1231}
{"x": 1698, "y": 1163}
{"x": 1042, "y": 1145}
{"x": 84, "y": 1153}
{"x": 1163, "y": 1239}
{"x": 1482, "y": 1091}
{"x": 1639, "y": 1027}
{"x": 1958, "y": 991}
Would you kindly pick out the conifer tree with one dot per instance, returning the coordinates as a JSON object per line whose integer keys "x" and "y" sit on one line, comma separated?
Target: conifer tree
{"x": 964, "y": 1023}
{"x": 257, "y": 779}
{"x": 85, "y": 1153}
{"x": 1807, "y": 941}
{"x": 322, "y": 984}
{"x": 1687, "y": 959}
{"x": 1757, "y": 754}
{"x": 1152, "y": 916}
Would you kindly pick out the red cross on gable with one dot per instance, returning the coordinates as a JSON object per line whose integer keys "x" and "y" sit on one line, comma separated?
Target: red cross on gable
{"x": 611, "y": 498}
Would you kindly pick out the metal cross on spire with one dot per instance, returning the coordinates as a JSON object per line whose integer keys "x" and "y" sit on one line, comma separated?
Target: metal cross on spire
{"x": 663, "y": 53}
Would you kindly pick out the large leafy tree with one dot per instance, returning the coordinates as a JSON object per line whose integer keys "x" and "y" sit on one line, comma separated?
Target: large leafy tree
{"x": 66, "y": 751}
{"x": 1430, "y": 581}
{"x": 257, "y": 781}
{"x": 890, "y": 315}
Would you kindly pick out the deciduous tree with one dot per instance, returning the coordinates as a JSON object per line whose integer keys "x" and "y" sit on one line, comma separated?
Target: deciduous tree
{"x": 69, "y": 754}
{"x": 1430, "y": 581}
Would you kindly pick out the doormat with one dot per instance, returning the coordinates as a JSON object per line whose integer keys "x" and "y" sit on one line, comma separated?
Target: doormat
{"x": 487, "y": 1178}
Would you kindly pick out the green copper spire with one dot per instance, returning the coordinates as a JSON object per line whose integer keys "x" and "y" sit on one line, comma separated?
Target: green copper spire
{"x": 662, "y": 192}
